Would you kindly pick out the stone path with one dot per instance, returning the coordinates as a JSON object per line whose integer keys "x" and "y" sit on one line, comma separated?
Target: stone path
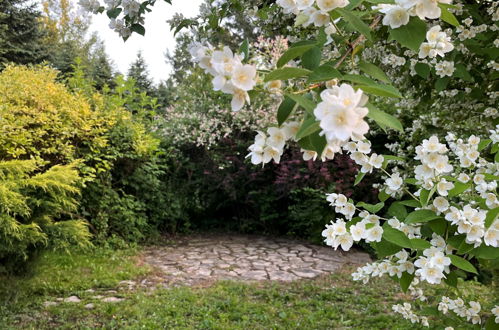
{"x": 204, "y": 259}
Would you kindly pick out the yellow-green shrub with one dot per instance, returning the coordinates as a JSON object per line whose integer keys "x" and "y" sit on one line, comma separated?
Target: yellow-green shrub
{"x": 42, "y": 119}
{"x": 37, "y": 210}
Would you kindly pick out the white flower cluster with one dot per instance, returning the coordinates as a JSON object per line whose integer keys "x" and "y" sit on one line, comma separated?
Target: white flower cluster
{"x": 495, "y": 312}
{"x": 398, "y": 14}
{"x": 471, "y": 221}
{"x": 271, "y": 145}
{"x": 130, "y": 9}
{"x": 410, "y": 230}
{"x": 91, "y": 6}
{"x": 313, "y": 12}
{"x": 437, "y": 44}
{"x": 393, "y": 266}
{"x": 405, "y": 310}
{"x": 340, "y": 234}
{"x": 444, "y": 68}
{"x": 433, "y": 265}
{"x": 231, "y": 76}
{"x": 471, "y": 313}
{"x": 434, "y": 162}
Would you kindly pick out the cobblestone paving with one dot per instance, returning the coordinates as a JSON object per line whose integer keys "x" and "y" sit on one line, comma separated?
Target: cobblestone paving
{"x": 197, "y": 260}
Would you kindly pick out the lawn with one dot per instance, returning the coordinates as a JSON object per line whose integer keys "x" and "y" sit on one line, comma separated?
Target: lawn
{"x": 333, "y": 301}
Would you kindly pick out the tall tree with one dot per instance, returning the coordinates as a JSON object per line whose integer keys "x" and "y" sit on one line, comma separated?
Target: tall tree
{"x": 139, "y": 72}
{"x": 68, "y": 39}
{"x": 20, "y": 33}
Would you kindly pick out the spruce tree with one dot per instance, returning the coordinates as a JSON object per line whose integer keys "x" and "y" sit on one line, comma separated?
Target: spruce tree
{"x": 21, "y": 33}
{"x": 139, "y": 72}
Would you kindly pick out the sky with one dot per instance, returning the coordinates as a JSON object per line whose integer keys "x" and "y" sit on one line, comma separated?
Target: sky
{"x": 157, "y": 40}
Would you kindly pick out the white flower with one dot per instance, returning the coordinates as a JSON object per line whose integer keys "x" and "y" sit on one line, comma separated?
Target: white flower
{"x": 491, "y": 237}
{"x": 438, "y": 42}
{"x": 289, "y": 6}
{"x": 304, "y": 4}
{"x": 239, "y": 98}
{"x": 345, "y": 241}
{"x": 374, "y": 234}
{"x": 341, "y": 114}
{"x": 357, "y": 231}
{"x": 440, "y": 261}
{"x": 441, "y": 204}
{"x": 395, "y": 15}
{"x": 309, "y": 155}
{"x": 495, "y": 311}
{"x": 431, "y": 274}
{"x": 277, "y": 137}
{"x": 463, "y": 177}
{"x": 340, "y": 227}
{"x": 394, "y": 182}
{"x": 244, "y": 76}
{"x": 443, "y": 187}
{"x": 328, "y": 5}
{"x": 444, "y": 68}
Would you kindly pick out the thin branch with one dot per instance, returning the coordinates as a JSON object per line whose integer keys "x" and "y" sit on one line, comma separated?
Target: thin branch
{"x": 357, "y": 41}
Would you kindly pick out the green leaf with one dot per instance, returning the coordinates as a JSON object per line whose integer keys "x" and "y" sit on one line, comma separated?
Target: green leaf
{"x": 405, "y": 281}
{"x": 305, "y": 103}
{"x": 451, "y": 279}
{"x": 363, "y": 80}
{"x": 138, "y": 29}
{"x": 385, "y": 248}
{"x": 438, "y": 226}
{"x": 491, "y": 324}
{"x": 411, "y": 203}
{"x": 398, "y": 211}
{"x": 484, "y": 144}
{"x": 491, "y": 217}
{"x": 294, "y": 52}
{"x": 113, "y": 13}
{"x": 461, "y": 72}
{"x": 384, "y": 119}
{"x": 423, "y": 70}
{"x": 356, "y": 22}
{"x": 383, "y": 196}
{"x": 286, "y": 73}
{"x": 370, "y": 207}
{"x": 485, "y": 252}
{"x": 311, "y": 59}
{"x": 308, "y": 127}
{"x": 456, "y": 241}
{"x": 381, "y": 90}
{"x": 285, "y": 109}
{"x": 374, "y": 71}
{"x": 464, "y": 248}
{"x": 359, "y": 178}
{"x": 420, "y": 244}
{"x": 421, "y": 216}
{"x": 462, "y": 264}
{"x": 441, "y": 84}
{"x": 324, "y": 73}
{"x": 244, "y": 48}
{"x": 410, "y": 35}
{"x": 447, "y": 16}
{"x": 396, "y": 237}
{"x": 313, "y": 142}
{"x": 459, "y": 188}
{"x": 426, "y": 195}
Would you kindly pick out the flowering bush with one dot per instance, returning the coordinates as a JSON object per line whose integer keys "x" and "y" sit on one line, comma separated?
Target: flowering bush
{"x": 331, "y": 96}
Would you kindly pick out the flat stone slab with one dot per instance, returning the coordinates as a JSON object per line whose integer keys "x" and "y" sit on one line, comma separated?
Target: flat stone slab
{"x": 195, "y": 260}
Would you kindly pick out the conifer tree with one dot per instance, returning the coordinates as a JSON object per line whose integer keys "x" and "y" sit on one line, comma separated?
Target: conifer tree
{"x": 21, "y": 33}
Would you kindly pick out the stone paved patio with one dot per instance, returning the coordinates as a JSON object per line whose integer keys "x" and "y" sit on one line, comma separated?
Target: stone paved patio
{"x": 197, "y": 260}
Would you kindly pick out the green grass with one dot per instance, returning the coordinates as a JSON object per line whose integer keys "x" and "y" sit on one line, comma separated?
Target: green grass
{"x": 332, "y": 301}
